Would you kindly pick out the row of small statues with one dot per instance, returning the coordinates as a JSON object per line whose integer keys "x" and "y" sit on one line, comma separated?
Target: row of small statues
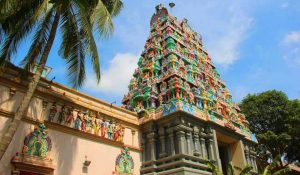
{"x": 86, "y": 122}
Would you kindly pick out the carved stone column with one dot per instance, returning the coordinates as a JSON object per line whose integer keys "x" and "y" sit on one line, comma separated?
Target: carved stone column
{"x": 171, "y": 138}
{"x": 188, "y": 142}
{"x": 144, "y": 149}
{"x": 151, "y": 140}
{"x": 196, "y": 142}
{"x": 180, "y": 141}
{"x": 203, "y": 144}
{"x": 162, "y": 137}
{"x": 209, "y": 143}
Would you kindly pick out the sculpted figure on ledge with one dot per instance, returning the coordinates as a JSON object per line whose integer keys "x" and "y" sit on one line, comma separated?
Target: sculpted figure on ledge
{"x": 86, "y": 121}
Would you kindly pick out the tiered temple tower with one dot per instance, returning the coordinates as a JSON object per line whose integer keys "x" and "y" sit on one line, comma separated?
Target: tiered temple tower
{"x": 186, "y": 109}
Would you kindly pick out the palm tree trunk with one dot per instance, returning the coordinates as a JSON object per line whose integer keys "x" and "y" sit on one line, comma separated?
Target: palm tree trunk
{"x": 22, "y": 109}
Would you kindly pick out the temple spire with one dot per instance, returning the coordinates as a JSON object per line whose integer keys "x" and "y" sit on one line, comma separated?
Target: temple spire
{"x": 175, "y": 72}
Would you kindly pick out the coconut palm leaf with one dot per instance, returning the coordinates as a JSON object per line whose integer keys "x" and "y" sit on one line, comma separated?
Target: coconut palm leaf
{"x": 87, "y": 33}
{"x": 103, "y": 19}
{"x": 246, "y": 170}
{"x": 39, "y": 41}
{"x": 214, "y": 168}
{"x": 230, "y": 169}
{"x": 72, "y": 48}
{"x": 282, "y": 171}
{"x": 75, "y": 18}
{"x": 18, "y": 25}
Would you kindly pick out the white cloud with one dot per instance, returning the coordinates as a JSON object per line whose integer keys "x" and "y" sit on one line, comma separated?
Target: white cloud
{"x": 115, "y": 78}
{"x": 224, "y": 25}
{"x": 291, "y": 38}
{"x": 290, "y": 44}
{"x": 225, "y": 45}
{"x": 284, "y": 5}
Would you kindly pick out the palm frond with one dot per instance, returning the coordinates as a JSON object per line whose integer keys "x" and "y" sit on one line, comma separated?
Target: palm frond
{"x": 72, "y": 48}
{"x": 103, "y": 20}
{"x": 283, "y": 171}
{"x": 17, "y": 26}
{"x": 113, "y": 6}
{"x": 230, "y": 169}
{"x": 214, "y": 168}
{"x": 39, "y": 41}
{"x": 246, "y": 170}
{"x": 87, "y": 35}
{"x": 266, "y": 170}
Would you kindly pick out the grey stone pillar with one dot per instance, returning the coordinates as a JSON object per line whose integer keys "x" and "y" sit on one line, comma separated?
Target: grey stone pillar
{"x": 215, "y": 149}
{"x": 203, "y": 145}
{"x": 162, "y": 137}
{"x": 188, "y": 142}
{"x": 181, "y": 140}
{"x": 151, "y": 141}
{"x": 171, "y": 138}
{"x": 209, "y": 143}
{"x": 196, "y": 142}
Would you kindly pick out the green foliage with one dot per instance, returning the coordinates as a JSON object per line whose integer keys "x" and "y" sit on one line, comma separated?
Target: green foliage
{"x": 231, "y": 169}
{"x": 275, "y": 168}
{"x": 214, "y": 168}
{"x": 78, "y": 19}
{"x": 276, "y": 122}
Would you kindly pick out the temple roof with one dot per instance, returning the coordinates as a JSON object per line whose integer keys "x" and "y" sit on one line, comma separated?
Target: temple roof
{"x": 175, "y": 73}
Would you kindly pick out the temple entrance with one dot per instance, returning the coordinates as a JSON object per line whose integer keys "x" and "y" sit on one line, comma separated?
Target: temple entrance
{"x": 224, "y": 157}
{"x": 230, "y": 151}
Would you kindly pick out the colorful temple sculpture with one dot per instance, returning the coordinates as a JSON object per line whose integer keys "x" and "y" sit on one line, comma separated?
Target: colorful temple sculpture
{"x": 124, "y": 163}
{"x": 84, "y": 135}
{"x": 36, "y": 149}
{"x": 177, "y": 115}
{"x": 185, "y": 109}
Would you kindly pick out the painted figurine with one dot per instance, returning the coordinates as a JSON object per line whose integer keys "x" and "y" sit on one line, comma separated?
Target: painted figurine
{"x": 78, "y": 121}
{"x": 52, "y": 113}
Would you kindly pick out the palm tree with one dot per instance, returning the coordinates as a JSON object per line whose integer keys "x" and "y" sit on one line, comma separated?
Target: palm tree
{"x": 231, "y": 169}
{"x": 76, "y": 20}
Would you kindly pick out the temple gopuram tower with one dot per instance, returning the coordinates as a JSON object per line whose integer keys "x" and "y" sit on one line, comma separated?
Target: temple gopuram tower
{"x": 186, "y": 110}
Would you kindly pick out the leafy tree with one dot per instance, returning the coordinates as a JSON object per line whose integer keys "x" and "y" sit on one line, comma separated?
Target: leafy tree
{"x": 76, "y": 20}
{"x": 276, "y": 122}
{"x": 275, "y": 168}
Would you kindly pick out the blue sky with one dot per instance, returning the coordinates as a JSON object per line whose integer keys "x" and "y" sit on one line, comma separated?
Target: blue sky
{"x": 255, "y": 45}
